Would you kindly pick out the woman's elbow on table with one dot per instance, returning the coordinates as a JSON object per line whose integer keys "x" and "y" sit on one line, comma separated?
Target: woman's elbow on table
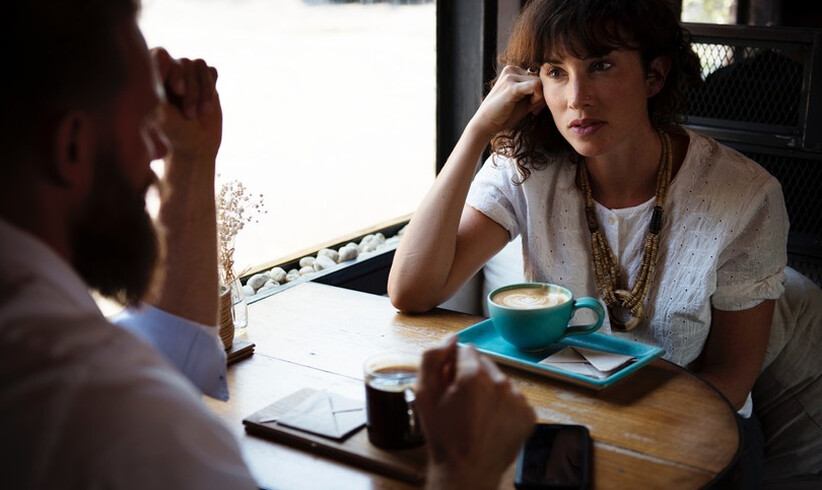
{"x": 409, "y": 299}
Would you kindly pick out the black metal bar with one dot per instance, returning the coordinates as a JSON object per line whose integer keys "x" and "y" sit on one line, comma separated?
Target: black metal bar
{"x": 813, "y": 82}
{"x": 466, "y": 47}
{"x": 733, "y": 34}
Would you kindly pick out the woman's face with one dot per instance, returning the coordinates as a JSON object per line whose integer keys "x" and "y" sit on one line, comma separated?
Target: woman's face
{"x": 598, "y": 102}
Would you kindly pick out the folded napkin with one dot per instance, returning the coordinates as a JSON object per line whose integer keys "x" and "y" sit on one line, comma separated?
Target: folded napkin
{"x": 327, "y": 414}
{"x": 587, "y": 362}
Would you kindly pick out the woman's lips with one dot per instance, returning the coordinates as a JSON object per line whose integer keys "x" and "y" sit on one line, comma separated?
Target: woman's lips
{"x": 585, "y": 127}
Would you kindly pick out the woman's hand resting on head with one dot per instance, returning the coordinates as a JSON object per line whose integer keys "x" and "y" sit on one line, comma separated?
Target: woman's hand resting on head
{"x": 515, "y": 94}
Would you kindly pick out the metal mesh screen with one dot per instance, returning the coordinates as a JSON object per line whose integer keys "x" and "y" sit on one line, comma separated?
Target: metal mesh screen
{"x": 749, "y": 84}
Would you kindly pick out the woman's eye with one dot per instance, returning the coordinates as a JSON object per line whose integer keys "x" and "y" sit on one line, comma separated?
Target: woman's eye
{"x": 600, "y": 65}
{"x": 553, "y": 72}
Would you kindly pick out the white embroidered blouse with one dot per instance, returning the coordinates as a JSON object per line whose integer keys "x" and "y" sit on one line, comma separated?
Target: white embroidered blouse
{"x": 723, "y": 241}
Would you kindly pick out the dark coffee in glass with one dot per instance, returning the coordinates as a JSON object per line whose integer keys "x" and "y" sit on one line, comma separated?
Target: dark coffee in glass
{"x": 390, "y": 380}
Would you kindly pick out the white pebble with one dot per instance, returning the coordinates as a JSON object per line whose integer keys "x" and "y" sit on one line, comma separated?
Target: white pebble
{"x": 323, "y": 262}
{"x": 307, "y": 261}
{"x": 277, "y": 274}
{"x": 306, "y": 270}
{"x": 349, "y": 252}
{"x": 248, "y": 291}
{"x": 292, "y": 276}
{"x": 366, "y": 240}
{"x": 257, "y": 280}
{"x": 327, "y": 252}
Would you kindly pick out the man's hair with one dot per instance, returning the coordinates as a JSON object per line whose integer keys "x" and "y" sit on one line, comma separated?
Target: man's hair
{"x": 59, "y": 56}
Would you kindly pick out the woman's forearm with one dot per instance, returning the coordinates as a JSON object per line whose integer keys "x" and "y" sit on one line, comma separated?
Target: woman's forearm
{"x": 733, "y": 354}
{"x": 422, "y": 270}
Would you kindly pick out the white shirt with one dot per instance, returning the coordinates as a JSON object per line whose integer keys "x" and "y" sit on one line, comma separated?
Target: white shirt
{"x": 84, "y": 404}
{"x": 723, "y": 241}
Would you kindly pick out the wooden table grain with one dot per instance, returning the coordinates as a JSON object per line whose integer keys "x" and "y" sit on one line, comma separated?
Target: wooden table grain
{"x": 662, "y": 427}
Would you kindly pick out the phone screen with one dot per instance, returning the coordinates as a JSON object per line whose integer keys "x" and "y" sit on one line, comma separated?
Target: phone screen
{"x": 555, "y": 456}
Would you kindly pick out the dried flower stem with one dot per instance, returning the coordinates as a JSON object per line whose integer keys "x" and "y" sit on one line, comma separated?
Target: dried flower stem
{"x": 235, "y": 208}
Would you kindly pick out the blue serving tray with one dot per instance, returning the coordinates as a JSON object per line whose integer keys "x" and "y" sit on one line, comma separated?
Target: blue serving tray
{"x": 485, "y": 338}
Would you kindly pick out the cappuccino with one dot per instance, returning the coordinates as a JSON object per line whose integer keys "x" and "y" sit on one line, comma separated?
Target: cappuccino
{"x": 534, "y": 315}
{"x": 528, "y": 298}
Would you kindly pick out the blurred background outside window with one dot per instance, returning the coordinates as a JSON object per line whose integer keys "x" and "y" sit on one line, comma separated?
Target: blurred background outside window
{"x": 329, "y": 109}
{"x": 709, "y": 11}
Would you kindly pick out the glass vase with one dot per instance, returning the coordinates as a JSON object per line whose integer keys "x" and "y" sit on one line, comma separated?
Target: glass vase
{"x": 239, "y": 306}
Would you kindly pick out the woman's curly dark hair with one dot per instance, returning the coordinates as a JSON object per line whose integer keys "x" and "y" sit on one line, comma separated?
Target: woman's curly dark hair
{"x": 592, "y": 28}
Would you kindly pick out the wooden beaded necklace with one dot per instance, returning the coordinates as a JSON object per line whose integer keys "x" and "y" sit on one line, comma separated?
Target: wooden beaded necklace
{"x": 626, "y": 308}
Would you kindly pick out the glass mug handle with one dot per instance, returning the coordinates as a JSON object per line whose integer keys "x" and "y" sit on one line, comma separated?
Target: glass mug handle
{"x": 591, "y": 304}
{"x": 413, "y": 426}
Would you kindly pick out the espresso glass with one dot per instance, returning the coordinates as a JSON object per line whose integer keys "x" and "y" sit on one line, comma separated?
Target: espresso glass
{"x": 390, "y": 381}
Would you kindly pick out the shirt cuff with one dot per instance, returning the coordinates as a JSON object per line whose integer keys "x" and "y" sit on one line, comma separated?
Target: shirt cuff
{"x": 195, "y": 349}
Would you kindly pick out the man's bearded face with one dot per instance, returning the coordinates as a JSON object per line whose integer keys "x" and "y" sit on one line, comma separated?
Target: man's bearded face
{"x": 115, "y": 243}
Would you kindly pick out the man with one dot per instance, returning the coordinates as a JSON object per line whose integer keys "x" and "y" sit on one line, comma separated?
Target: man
{"x": 84, "y": 404}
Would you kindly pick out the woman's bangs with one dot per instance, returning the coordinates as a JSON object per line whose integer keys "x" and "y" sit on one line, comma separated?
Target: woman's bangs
{"x": 595, "y": 37}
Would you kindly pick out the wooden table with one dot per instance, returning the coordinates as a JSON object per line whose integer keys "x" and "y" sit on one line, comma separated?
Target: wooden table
{"x": 662, "y": 427}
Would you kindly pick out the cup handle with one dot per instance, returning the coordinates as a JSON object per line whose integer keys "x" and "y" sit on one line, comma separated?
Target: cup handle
{"x": 410, "y": 399}
{"x": 591, "y": 304}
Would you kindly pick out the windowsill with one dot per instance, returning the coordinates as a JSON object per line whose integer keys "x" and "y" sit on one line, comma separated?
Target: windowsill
{"x": 323, "y": 276}
{"x": 344, "y": 274}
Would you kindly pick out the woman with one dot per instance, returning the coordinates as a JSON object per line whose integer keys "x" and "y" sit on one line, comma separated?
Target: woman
{"x": 585, "y": 148}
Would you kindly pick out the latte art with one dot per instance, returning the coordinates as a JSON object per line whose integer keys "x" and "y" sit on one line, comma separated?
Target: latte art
{"x": 527, "y": 298}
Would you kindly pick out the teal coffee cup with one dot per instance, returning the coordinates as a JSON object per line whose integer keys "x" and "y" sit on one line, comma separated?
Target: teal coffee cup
{"x": 534, "y": 315}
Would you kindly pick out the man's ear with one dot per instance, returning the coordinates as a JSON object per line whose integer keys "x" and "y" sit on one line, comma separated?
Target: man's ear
{"x": 72, "y": 162}
{"x": 657, "y": 72}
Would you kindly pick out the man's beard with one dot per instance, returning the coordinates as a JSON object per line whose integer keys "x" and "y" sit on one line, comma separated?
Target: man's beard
{"x": 115, "y": 243}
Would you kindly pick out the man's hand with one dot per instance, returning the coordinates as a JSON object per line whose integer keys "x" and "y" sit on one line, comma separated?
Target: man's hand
{"x": 192, "y": 117}
{"x": 474, "y": 420}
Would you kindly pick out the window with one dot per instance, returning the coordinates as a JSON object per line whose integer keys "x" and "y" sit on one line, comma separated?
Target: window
{"x": 329, "y": 109}
{"x": 709, "y": 11}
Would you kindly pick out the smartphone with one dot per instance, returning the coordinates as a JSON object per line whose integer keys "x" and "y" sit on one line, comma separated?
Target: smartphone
{"x": 555, "y": 457}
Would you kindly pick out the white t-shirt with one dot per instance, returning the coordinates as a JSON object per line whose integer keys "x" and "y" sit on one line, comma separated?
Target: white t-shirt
{"x": 85, "y": 404}
{"x": 723, "y": 241}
